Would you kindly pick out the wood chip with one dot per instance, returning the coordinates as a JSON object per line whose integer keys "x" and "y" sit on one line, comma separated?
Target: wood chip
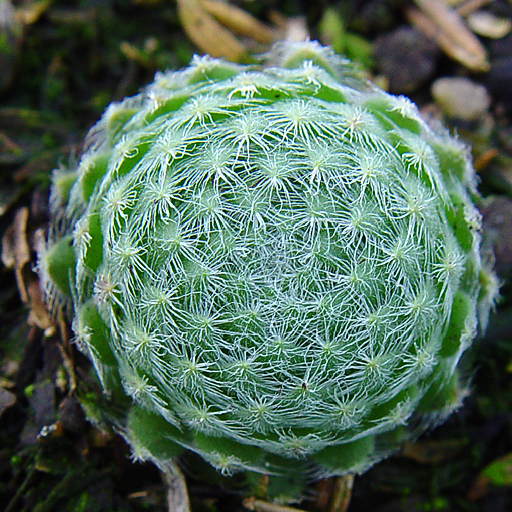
{"x": 177, "y": 494}
{"x": 443, "y": 24}
{"x": 322, "y": 493}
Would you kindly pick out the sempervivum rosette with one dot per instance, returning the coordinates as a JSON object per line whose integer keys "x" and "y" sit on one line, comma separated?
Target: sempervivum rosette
{"x": 279, "y": 265}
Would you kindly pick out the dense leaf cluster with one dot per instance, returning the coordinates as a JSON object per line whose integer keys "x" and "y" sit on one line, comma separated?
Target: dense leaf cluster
{"x": 274, "y": 264}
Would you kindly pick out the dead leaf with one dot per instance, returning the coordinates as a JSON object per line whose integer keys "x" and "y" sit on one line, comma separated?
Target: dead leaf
{"x": 38, "y": 315}
{"x": 177, "y": 494}
{"x": 484, "y": 159}
{"x": 443, "y": 24}
{"x": 341, "y": 493}
{"x": 32, "y": 11}
{"x": 65, "y": 352}
{"x": 15, "y": 250}
{"x": 465, "y": 7}
{"x": 8, "y": 258}
{"x": 432, "y": 452}
{"x": 497, "y": 473}
{"x": 240, "y": 22}
{"x": 208, "y": 34}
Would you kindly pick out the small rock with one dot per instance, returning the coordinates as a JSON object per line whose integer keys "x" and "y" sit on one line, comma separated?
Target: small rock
{"x": 461, "y": 98}
{"x": 488, "y": 25}
{"x": 42, "y": 403}
{"x": 71, "y": 415}
{"x": 6, "y": 399}
{"x": 406, "y": 57}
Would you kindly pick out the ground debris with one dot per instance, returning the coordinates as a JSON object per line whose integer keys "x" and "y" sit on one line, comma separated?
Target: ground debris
{"x": 444, "y": 25}
{"x": 461, "y": 98}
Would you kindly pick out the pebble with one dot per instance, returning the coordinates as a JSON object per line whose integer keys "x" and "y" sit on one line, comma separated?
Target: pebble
{"x": 488, "y": 25}
{"x": 71, "y": 415}
{"x": 406, "y": 57}
{"x": 461, "y": 98}
{"x": 6, "y": 399}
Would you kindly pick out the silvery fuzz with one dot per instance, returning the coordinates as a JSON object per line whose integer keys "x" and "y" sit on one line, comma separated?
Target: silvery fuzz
{"x": 277, "y": 267}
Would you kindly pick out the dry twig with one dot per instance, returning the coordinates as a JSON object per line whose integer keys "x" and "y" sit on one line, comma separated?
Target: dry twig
{"x": 443, "y": 24}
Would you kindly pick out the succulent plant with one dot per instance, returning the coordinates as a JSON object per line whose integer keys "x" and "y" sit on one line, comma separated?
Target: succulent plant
{"x": 278, "y": 265}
